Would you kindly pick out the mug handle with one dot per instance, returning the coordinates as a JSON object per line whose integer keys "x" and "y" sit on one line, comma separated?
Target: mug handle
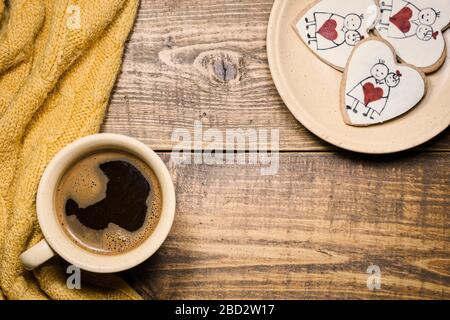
{"x": 36, "y": 255}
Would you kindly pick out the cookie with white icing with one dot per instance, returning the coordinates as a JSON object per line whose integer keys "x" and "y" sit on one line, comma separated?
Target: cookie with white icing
{"x": 332, "y": 28}
{"x": 375, "y": 88}
{"x": 415, "y": 29}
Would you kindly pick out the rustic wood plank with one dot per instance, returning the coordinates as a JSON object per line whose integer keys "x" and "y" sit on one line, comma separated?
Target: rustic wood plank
{"x": 309, "y": 232}
{"x": 203, "y": 60}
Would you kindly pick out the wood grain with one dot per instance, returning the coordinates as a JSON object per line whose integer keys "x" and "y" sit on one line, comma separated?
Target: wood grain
{"x": 204, "y": 60}
{"x": 309, "y": 232}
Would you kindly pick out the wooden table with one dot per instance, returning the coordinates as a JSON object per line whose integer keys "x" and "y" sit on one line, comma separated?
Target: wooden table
{"x": 309, "y": 232}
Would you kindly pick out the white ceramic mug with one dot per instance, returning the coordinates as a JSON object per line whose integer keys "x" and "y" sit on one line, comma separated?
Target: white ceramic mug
{"x": 57, "y": 242}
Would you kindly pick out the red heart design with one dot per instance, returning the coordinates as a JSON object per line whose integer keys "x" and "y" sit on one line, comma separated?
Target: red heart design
{"x": 402, "y": 19}
{"x": 371, "y": 93}
{"x": 328, "y": 30}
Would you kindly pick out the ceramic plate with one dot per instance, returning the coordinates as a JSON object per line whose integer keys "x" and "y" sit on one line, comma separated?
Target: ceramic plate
{"x": 310, "y": 89}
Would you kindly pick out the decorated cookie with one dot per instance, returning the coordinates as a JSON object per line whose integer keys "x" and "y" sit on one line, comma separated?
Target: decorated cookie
{"x": 376, "y": 89}
{"x": 332, "y": 28}
{"x": 415, "y": 29}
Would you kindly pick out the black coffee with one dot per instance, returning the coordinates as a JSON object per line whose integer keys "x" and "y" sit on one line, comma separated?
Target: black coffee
{"x": 108, "y": 202}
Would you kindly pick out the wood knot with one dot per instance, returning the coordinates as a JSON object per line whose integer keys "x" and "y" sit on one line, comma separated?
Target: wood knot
{"x": 220, "y": 66}
{"x": 224, "y": 69}
{"x": 168, "y": 42}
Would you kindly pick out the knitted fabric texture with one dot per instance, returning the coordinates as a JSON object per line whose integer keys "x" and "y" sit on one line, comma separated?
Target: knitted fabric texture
{"x": 58, "y": 63}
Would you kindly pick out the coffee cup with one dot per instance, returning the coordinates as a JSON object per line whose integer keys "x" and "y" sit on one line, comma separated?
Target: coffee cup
{"x": 57, "y": 242}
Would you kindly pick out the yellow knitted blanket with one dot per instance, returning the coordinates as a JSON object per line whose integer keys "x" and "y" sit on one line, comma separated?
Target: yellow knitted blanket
{"x": 58, "y": 63}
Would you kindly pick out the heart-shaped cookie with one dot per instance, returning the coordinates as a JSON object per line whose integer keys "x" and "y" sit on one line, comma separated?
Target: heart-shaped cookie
{"x": 332, "y": 28}
{"x": 376, "y": 89}
{"x": 414, "y": 28}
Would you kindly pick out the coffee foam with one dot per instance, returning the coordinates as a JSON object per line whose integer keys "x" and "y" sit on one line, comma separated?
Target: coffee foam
{"x": 85, "y": 183}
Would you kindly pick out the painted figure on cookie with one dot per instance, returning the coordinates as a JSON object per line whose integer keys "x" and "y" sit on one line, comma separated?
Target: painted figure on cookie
{"x": 376, "y": 88}
{"x": 372, "y": 93}
{"x": 415, "y": 29}
{"x": 405, "y": 19}
{"x": 330, "y": 30}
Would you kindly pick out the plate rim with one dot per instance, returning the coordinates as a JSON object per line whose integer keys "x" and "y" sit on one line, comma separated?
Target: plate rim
{"x": 303, "y": 117}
